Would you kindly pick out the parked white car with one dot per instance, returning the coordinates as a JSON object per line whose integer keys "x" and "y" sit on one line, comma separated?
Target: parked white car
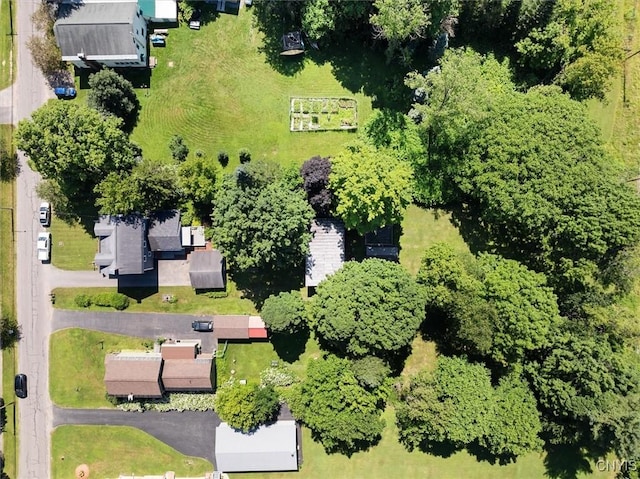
{"x": 44, "y": 246}
{"x": 45, "y": 213}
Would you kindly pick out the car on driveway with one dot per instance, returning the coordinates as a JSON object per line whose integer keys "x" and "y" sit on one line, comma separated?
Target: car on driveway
{"x": 64, "y": 92}
{"x": 44, "y": 246}
{"x": 20, "y": 385}
{"x": 45, "y": 214}
{"x": 202, "y": 326}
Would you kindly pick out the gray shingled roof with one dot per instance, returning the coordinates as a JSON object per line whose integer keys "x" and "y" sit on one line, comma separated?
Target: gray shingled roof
{"x": 122, "y": 245}
{"x": 165, "y": 232}
{"x": 269, "y": 448}
{"x": 326, "y": 250}
{"x": 96, "y": 29}
{"x": 207, "y": 270}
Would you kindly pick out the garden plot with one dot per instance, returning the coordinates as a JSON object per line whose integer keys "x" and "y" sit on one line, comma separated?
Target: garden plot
{"x": 322, "y": 114}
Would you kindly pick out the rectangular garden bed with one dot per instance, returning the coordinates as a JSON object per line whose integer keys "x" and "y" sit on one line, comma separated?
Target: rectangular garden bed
{"x": 323, "y": 114}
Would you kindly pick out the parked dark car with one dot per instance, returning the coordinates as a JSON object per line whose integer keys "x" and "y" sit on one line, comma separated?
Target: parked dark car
{"x": 20, "y": 385}
{"x": 202, "y": 326}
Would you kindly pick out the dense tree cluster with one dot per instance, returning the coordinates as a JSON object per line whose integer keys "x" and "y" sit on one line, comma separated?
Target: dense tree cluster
{"x": 246, "y": 407}
{"x": 369, "y": 308}
{"x": 198, "y": 178}
{"x": 343, "y": 415}
{"x": 261, "y": 219}
{"x": 372, "y": 187}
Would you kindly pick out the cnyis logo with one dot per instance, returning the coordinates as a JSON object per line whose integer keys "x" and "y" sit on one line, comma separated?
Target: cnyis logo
{"x": 616, "y": 465}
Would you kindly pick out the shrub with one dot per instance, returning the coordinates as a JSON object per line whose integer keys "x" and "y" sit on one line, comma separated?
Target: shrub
{"x": 245, "y": 155}
{"x": 111, "y": 300}
{"x": 277, "y": 377}
{"x": 179, "y": 151}
{"x": 223, "y": 158}
{"x": 216, "y": 294}
{"x": 82, "y": 300}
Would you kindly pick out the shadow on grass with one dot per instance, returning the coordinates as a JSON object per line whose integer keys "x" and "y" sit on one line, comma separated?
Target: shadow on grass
{"x": 258, "y": 284}
{"x": 290, "y": 347}
{"x": 566, "y": 462}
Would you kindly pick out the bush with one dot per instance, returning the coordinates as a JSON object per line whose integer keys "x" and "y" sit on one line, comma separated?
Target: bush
{"x": 111, "y": 300}
{"x": 245, "y": 155}
{"x": 280, "y": 376}
{"x": 223, "y": 158}
{"x": 179, "y": 151}
{"x": 216, "y": 294}
{"x": 83, "y": 300}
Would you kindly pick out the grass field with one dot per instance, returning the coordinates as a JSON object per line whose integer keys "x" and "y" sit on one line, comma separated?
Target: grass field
{"x": 7, "y": 304}
{"x": 113, "y": 450}
{"x": 72, "y": 247}
{"x": 186, "y": 301}
{"x": 7, "y": 61}
{"x": 422, "y": 228}
{"x": 76, "y": 365}
{"x": 215, "y": 88}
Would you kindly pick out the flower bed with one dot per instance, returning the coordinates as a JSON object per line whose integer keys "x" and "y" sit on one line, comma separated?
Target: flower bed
{"x": 323, "y": 114}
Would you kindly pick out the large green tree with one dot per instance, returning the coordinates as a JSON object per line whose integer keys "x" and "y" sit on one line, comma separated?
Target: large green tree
{"x": 342, "y": 415}
{"x": 74, "y": 146}
{"x": 246, "y": 407}
{"x": 455, "y": 406}
{"x": 538, "y": 184}
{"x": 147, "y": 187}
{"x": 369, "y": 308}
{"x": 112, "y": 94}
{"x": 284, "y": 313}
{"x": 372, "y": 187}
{"x": 198, "y": 178}
{"x": 261, "y": 220}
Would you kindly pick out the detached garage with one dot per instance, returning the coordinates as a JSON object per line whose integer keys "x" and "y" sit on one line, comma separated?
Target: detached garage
{"x": 269, "y": 448}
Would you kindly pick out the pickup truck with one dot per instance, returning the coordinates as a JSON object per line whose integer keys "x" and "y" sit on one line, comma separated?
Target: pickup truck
{"x": 65, "y": 92}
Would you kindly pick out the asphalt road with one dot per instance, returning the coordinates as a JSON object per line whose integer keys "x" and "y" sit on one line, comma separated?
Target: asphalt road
{"x": 190, "y": 432}
{"x": 30, "y": 91}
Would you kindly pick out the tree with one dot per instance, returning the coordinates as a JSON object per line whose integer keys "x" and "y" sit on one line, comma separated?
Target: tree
{"x": 372, "y": 187}
{"x": 147, "y": 187}
{"x": 323, "y": 19}
{"x": 198, "y": 178}
{"x": 111, "y": 94}
{"x": 260, "y": 220}
{"x": 284, "y": 313}
{"x": 459, "y": 93}
{"x": 74, "y": 146}
{"x": 569, "y": 215}
{"x": 456, "y": 407}
{"x": 246, "y": 407}
{"x": 341, "y": 414}
{"x": 9, "y": 166}
{"x": 315, "y": 175}
{"x": 45, "y": 53}
{"x": 370, "y": 371}
{"x": 179, "y": 150}
{"x": 368, "y": 308}
{"x": 579, "y": 45}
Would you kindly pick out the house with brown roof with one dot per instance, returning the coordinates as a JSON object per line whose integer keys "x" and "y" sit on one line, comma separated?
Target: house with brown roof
{"x": 239, "y": 327}
{"x": 133, "y": 373}
{"x": 196, "y": 375}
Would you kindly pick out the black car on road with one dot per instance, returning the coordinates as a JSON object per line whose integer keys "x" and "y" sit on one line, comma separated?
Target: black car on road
{"x": 20, "y": 385}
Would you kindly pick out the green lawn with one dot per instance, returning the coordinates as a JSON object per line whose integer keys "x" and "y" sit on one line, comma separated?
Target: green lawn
{"x": 389, "y": 459}
{"x": 72, "y": 247}
{"x": 113, "y": 450}
{"x": 76, "y": 365}
{"x": 9, "y": 438}
{"x": 7, "y": 61}
{"x": 146, "y": 301}
{"x": 422, "y": 228}
{"x": 215, "y": 88}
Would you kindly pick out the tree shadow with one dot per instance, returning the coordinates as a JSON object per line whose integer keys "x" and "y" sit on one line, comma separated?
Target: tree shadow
{"x": 257, "y": 284}
{"x": 290, "y": 347}
{"x": 566, "y": 462}
{"x": 442, "y": 449}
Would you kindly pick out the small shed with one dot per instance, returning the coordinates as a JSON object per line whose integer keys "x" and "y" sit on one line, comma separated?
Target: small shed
{"x": 381, "y": 244}
{"x": 269, "y": 448}
{"x": 207, "y": 270}
{"x": 292, "y": 44}
{"x": 326, "y": 250}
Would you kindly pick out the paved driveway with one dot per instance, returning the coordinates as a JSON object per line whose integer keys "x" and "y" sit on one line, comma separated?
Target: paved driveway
{"x": 190, "y": 432}
{"x": 143, "y": 325}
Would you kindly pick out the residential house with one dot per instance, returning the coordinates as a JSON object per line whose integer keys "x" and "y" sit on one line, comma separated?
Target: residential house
{"x": 185, "y": 369}
{"x": 95, "y": 34}
{"x": 164, "y": 234}
{"x": 207, "y": 270}
{"x": 133, "y": 374}
{"x": 326, "y": 250}
{"x": 272, "y": 447}
{"x": 122, "y": 245}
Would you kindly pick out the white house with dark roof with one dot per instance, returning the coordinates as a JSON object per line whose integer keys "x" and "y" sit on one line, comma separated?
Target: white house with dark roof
{"x": 326, "y": 250}
{"x": 122, "y": 245}
{"x": 107, "y": 33}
